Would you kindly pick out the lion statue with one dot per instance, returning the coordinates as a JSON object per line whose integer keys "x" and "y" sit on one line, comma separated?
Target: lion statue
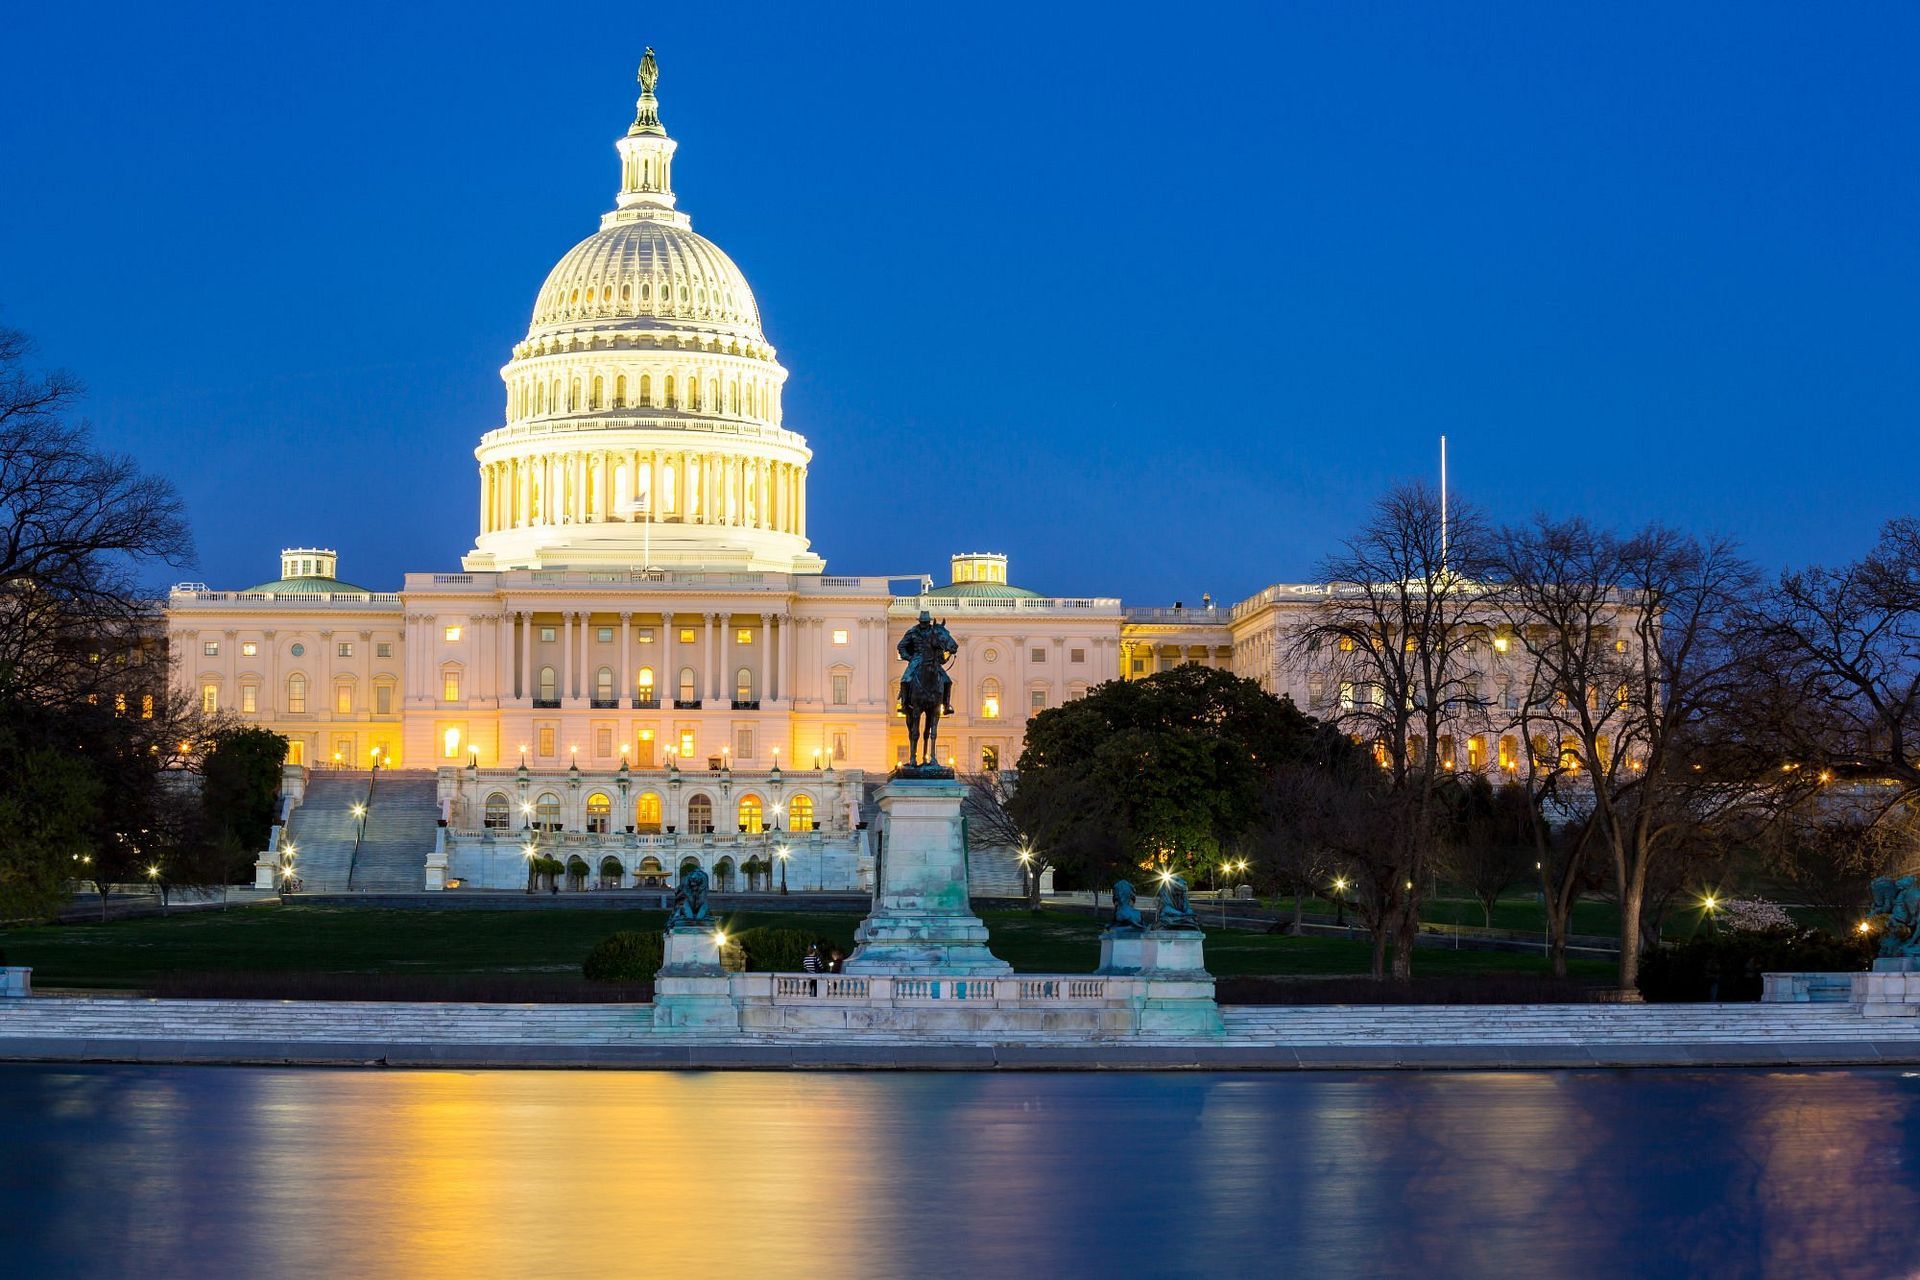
{"x": 1126, "y": 914}
{"x": 690, "y": 904}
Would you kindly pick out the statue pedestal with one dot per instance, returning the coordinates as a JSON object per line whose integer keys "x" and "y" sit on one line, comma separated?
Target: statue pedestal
{"x": 922, "y": 920}
{"x": 1177, "y": 991}
{"x": 691, "y": 991}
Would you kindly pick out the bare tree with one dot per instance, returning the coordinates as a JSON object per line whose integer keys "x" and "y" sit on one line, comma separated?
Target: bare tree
{"x": 992, "y": 823}
{"x": 1395, "y": 635}
{"x": 1634, "y": 648}
{"x": 1488, "y": 844}
{"x": 1350, "y": 816}
{"x": 76, "y": 525}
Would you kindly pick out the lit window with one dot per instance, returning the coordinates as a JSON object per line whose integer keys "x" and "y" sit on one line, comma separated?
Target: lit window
{"x": 752, "y": 816}
{"x": 686, "y": 744}
{"x": 146, "y": 706}
{"x": 545, "y": 741}
{"x": 297, "y": 695}
{"x": 990, "y": 700}
{"x": 645, "y": 685}
{"x": 800, "y": 814}
{"x": 686, "y": 635}
{"x": 249, "y": 698}
{"x": 644, "y": 635}
{"x": 1477, "y": 752}
{"x": 646, "y": 814}
{"x": 451, "y": 633}
{"x": 450, "y": 687}
{"x": 1346, "y": 644}
{"x": 249, "y": 649}
{"x": 742, "y": 635}
{"x": 450, "y": 744}
{"x": 343, "y": 698}
{"x": 599, "y": 813}
{"x": 210, "y": 648}
{"x": 989, "y": 759}
{"x": 603, "y": 634}
{"x": 1500, "y": 644}
{"x": 209, "y": 698}
{"x": 840, "y": 635}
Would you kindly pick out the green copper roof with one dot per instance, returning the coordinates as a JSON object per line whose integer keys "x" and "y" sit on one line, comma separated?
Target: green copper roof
{"x": 307, "y": 587}
{"x": 983, "y": 591}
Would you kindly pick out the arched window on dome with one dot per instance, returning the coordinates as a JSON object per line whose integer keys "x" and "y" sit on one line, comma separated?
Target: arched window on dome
{"x": 693, "y": 394}
{"x": 573, "y": 396}
{"x": 669, "y": 392}
{"x": 646, "y": 385}
{"x": 539, "y": 400}
{"x": 646, "y": 292}
{"x": 626, "y": 292}
{"x": 599, "y": 388}
{"x": 713, "y": 395}
{"x": 733, "y": 397}
{"x": 620, "y": 392}
{"x": 606, "y": 294}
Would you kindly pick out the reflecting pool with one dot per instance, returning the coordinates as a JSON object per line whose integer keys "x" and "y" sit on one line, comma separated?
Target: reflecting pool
{"x": 154, "y": 1171}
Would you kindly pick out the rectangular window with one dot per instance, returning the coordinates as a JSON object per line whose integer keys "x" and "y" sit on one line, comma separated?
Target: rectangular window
{"x": 603, "y": 742}
{"x": 210, "y": 648}
{"x": 840, "y": 635}
{"x": 546, "y": 635}
{"x": 343, "y": 699}
{"x": 249, "y": 698}
{"x": 989, "y": 759}
{"x": 450, "y": 744}
{"x": 686, "y": 744}
{"x": 686, "y": 635}
{"x": 450, "y": 687}
{"x": 451, "y": 633}
{"x": 1038, "y": 700}
{"x": 297, "y": 696}
{"x": 383, "y": 699}
{"x": 644, "y": 635}
{"x": 1139, "y": 666}
{"x": 742, "y": 635}
{"x": 209, "y": 698}
{"x": 743, "y": 744}
{"x": 603, "y": 634}
{"x": 840, "y": 746}
{"x": 546, "y": 740}
{"x": 1076, "y": 655}
{"x": 383, "y": 650}
{"x": 345, "y": 648}
{"x": 146, "y": 706}
{"x": 1038, "y": 655}
{"x": 249, "y": 649}
{"x": 840, "y": 688}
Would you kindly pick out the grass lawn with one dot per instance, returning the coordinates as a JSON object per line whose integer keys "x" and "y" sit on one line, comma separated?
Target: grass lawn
{"x": 127, "y": 954}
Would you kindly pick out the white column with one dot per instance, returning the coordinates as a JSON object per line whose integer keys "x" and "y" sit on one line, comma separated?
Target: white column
{"x": 566, "y": 655}
{"x": 787, "y": 641}
{"x": 768, "y": 670}
{"x": 704, "y": 677}
{"x": 625, "y": 690}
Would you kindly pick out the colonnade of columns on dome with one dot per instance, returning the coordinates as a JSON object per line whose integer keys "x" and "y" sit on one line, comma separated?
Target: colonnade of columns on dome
{"x": 634, "y": 485}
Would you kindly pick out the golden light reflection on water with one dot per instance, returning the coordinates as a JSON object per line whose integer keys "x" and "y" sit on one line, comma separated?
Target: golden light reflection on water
{"x": 426, "y": 1174}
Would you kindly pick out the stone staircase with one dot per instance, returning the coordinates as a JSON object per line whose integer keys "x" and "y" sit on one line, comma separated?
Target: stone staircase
{"x": 400, "y": 832}
{"x": 995, "y": 873}
{"x": 323, "y": 829}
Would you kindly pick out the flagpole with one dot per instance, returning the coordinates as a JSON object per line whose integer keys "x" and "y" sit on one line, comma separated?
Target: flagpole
{"x": 1443, "y": 504}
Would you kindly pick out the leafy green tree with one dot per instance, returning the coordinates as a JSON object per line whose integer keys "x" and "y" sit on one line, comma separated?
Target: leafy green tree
{"x": 45, "y": 796}
{"x": 240, "y": 784}
{"x": 1161, "y": 772}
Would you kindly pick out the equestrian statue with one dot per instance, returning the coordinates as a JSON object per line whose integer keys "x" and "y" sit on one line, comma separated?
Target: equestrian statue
{"x": 926, "y": 692}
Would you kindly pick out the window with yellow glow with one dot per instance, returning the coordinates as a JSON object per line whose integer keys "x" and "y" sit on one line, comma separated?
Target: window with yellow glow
{"x": 990, "y": 700}
{"x": 751, "y": 815}
{"x": 209, "y": 698}
{"x": 742, "y": 636}
{"x": 249, "y": 649}
{"x": 342, "y": 699}
{"x": 686, "y": 744}
{"x": 1476, "y": 752}
{"x": 450, "y": 744}
{"x": 297, "y": 695}
{"x": 146, "y": 706}
{"x": 450, "y": 687}
{"x": 249, "y": 698}
{"x": 599, "y": 813}
{"x": 839, "y": 635}
{"x": 800, "y": 813}
{"x": 686, "y": 635}
{"x": 451, "y": 633}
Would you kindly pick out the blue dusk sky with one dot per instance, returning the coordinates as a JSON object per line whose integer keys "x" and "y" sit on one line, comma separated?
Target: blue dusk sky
{"x": 1161, "y": 296}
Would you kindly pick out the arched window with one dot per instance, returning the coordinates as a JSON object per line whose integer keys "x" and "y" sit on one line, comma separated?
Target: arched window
{"x": 594, "y": 403}
{"x": 646, "y": 814}
{"x": 700, "y": 815}
{"x": 297, "y": 695}
{"x": 599, "y": 813}
{"x": 603, "y": 684}
{"x": 989, "y": 699}
{"x": 620, "y": 383}
{"x": 743, "y": 684}
{"x": 646, "y": 379}
{"x": 686, "y": 684}
{"x": 643, "y": 688}
{"x": 546, "y": 812}
{"x": 800, "y": 813}
{"x": 668, "y": 383}
{"x": 610, "y": 873}
{"x": 549, "y": 688}
{"x": 499, "y": 812}
{"x": 752, "y": 816}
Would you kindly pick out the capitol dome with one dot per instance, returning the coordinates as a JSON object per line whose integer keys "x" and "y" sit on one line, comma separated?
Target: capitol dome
{"x": 643, "y": 424}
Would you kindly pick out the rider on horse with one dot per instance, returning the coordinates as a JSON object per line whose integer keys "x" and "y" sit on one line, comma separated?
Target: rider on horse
{"x": 927, "y": 641}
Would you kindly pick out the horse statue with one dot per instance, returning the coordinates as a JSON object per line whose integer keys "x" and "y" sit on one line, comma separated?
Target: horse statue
{"x": 926, "y": 690}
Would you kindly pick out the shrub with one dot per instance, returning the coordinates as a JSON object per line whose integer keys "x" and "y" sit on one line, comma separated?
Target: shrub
{"x": 1728, "y": 966}
{"x": 627, "y": 956}
{"x": 771, "y": 949}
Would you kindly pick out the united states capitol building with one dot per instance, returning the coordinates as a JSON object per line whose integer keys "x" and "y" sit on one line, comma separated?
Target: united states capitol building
{"x": 643, "y": 665}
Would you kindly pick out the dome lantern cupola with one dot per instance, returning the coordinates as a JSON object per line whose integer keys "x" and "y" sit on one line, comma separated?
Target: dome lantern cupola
{"x": 646, "y": 156}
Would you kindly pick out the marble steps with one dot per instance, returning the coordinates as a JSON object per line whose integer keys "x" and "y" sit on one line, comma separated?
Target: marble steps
{"x": 324, "y": 829}
{"x": 400, "y": 832}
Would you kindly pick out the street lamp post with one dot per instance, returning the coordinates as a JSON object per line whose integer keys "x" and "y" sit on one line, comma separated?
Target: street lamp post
{"x": 1340, "y": 901}
{"x": 783, "y": 853}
